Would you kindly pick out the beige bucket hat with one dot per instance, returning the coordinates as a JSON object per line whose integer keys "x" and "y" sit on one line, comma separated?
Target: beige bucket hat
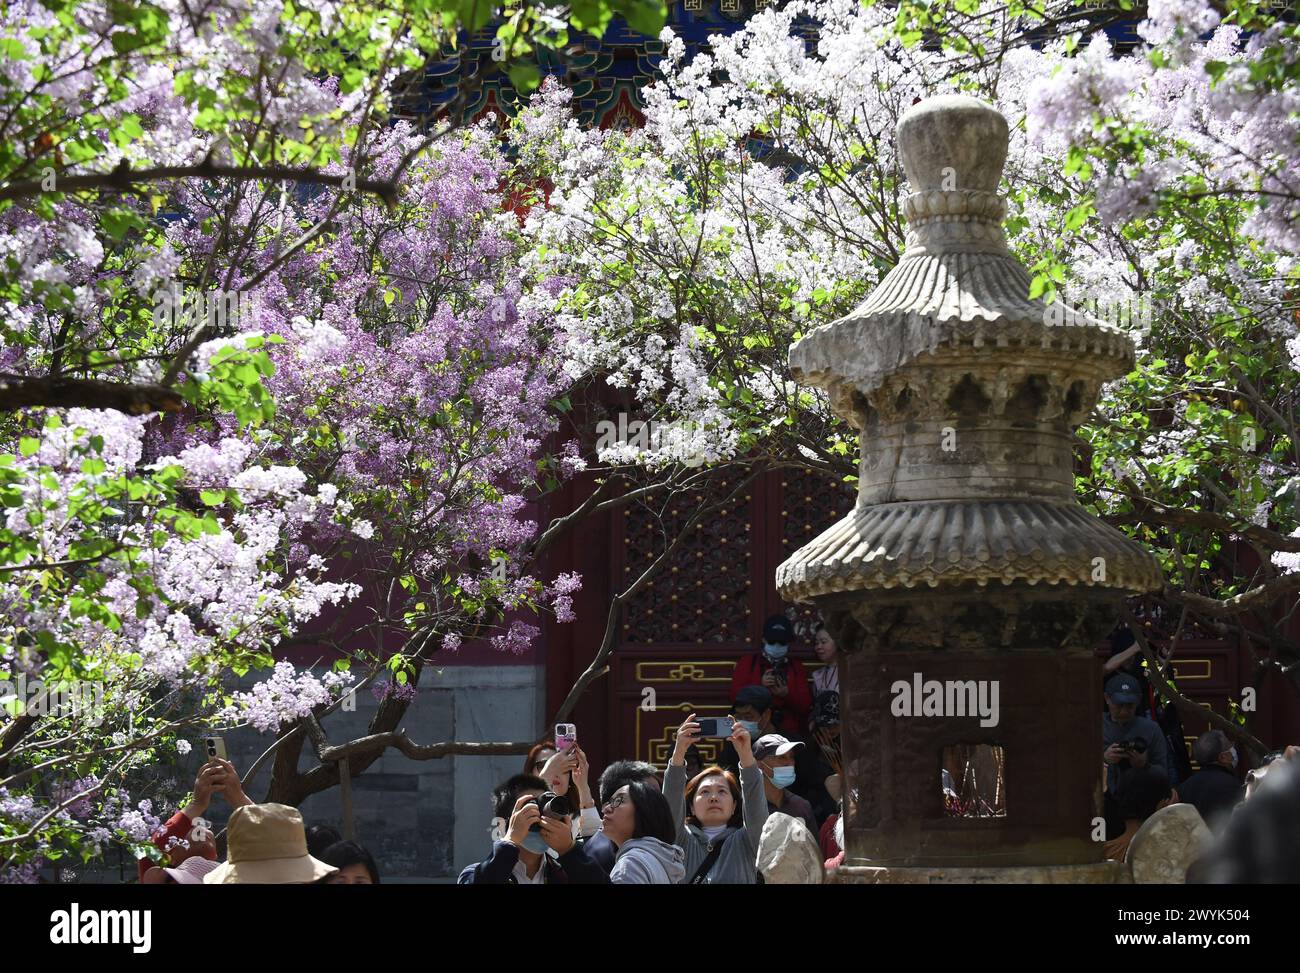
{"x": 268, "y": 846}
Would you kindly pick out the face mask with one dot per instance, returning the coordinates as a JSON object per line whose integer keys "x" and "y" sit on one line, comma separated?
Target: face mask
{"x": 1233, "y": 751}
{"x": 534, "y": 843}
{"x": 751, "y": 726}
{"x": 782, "y": 777}
{"x": 775, "y": 651}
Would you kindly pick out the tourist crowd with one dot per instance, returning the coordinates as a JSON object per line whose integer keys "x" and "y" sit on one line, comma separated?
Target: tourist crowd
{"x": 769, "y": 809}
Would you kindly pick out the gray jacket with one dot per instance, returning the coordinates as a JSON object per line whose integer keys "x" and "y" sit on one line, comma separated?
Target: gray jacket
{"x": 647, "y": 861}
{"x": 735, "y": 864}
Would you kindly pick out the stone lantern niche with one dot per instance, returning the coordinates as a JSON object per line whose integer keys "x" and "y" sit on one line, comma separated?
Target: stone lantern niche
{"x": 967, "y": 563}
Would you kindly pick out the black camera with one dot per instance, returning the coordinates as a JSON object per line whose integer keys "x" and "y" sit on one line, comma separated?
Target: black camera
{"x": 1134, "y": 746}
{"x": 553, "y": 805}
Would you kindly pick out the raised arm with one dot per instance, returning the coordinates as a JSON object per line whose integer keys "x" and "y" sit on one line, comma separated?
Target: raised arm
{"x": 752, "y": 795}
{"x": 675, "y": 777}
{"x": 675, "y": 795}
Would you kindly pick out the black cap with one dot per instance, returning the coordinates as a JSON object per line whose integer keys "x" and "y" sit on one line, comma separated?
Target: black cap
{"x": 755, "y": 696}
{"x": 778, "y": 629}
{"x": 1123, "y": 688}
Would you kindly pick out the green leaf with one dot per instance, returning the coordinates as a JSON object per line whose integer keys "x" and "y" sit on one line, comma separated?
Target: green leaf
{"x": 523, "y": 76}
{"x": 1075, "y": 218}
{"x": 644, "y": 16}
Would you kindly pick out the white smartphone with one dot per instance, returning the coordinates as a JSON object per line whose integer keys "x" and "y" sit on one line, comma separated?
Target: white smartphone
{"x": 215, "y": 747}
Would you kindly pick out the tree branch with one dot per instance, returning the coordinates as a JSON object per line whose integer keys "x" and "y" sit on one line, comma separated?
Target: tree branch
{"x": 123, "y": 178}
{"x": 87, "y": 393}
{"x": 378, "y": 742}
{"x": 1184, "y": 704}
{"x": 1158, "y": 513}
{"x": 1257, "y": 597}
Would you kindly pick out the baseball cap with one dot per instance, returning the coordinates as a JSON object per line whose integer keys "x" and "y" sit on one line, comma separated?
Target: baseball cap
{"x": 778, "y": 629}
{"x": 756, "y": 696}
{"x": 773, "y": 745}
{"x": 1123, "y": 688}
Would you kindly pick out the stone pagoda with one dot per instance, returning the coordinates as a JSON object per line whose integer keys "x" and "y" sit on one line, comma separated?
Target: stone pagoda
{"x": 967, "y": 561}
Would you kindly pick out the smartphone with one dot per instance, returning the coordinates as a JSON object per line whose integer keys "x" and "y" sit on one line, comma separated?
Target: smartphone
{"x": 715, "y": 726}
{"x": 566, "y": 735}
{"x": 215, "y": 747}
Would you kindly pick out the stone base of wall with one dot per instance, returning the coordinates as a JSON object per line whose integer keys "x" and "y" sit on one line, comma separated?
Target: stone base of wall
{"x": 1098, "y": 873}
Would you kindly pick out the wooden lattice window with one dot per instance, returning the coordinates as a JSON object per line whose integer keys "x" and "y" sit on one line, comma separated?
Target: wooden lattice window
{"x": 703, "y": 595}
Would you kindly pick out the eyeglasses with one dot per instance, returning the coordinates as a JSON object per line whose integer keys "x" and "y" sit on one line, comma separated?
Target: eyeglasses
{"x": 615, "y": 803}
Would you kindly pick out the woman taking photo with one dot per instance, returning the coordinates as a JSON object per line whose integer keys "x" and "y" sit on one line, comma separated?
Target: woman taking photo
{"x": 719, "y": 819}
{"x": 637, "y": 819}
{"x": 538, "y": 756}
{"x": 565, "y": 774}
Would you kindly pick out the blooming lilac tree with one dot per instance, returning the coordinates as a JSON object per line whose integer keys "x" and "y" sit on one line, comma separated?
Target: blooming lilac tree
{"x": 1154, "y": 186}
{"x": 266, "y": 354}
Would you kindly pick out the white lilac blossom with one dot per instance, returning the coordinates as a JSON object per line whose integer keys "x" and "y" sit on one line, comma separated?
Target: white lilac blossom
{"x": 288, "y": 695}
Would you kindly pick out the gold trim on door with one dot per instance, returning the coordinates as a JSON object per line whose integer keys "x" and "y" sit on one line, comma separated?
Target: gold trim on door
{"x": 1181, "y": 675}
{"x": 682, "y": 671}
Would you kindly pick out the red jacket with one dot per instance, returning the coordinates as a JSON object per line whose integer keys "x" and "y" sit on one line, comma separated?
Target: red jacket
{"x": 794, "y": 708}
{"x": 830, "y": 847}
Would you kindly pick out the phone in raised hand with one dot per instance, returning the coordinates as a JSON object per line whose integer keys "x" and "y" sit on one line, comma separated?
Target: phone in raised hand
{"x": 566, "y": 736}
{"x": 215, "y": 748}
{"x": 716, "y": 726}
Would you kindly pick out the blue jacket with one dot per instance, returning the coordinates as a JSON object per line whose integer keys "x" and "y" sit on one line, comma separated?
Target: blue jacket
{"x": 574, "y": 867}
{"x": 601, "y": 850}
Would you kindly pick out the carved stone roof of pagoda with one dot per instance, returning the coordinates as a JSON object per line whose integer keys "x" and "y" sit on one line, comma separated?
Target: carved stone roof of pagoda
{"x": 911, "y": 545}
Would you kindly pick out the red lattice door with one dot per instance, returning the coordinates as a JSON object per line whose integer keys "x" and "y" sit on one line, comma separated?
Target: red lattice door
{"x": 705, "y": 608}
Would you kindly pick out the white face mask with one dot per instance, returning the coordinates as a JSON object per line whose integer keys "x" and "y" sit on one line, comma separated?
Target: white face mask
{"x": 1233, "y": 753}
{"x": 534, "y": 842}
{"x": 775, "y": 650}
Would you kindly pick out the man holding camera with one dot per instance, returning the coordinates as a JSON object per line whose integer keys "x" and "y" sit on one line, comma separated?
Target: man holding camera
{"x": 1131, "y": 741}
{"x": 537, "y": 847}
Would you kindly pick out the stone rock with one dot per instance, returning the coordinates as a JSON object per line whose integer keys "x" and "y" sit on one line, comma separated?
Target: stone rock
{"x": 788, "y": 853}
{"x": 1167, "y": 844}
